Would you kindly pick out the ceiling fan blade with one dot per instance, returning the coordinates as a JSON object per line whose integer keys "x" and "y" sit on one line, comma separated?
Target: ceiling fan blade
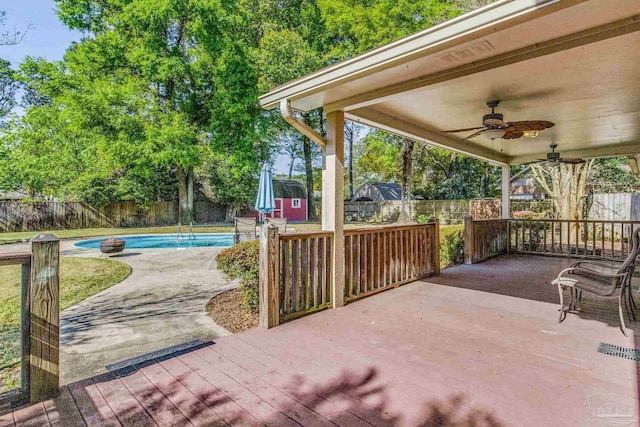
{"x": 525, "y": 125}
{"x": 573, "y": 161}
{"x": 513, "y": 134}
{"x": 473, "y": 135}
{"x": 462, "y": 130}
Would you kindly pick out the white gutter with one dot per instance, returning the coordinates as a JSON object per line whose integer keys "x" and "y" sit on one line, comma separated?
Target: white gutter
{"x": 305, "y": 129}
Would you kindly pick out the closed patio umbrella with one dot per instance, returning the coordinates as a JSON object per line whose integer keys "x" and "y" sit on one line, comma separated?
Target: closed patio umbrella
{"x": 265, "y": 202}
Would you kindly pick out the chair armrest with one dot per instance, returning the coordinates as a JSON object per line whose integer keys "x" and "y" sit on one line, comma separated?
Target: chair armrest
{"x": 613, "y": 265}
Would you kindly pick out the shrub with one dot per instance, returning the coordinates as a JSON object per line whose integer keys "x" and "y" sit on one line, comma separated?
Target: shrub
{"x": 451, "y": 244}
{"x": 242, "y": 261}
{"x": 423, "y": 219}
{"x": 527, "y": 215}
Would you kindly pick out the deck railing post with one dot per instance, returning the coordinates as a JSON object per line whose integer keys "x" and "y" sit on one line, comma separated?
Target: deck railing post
{"x": 436, "y": 245}
{"x": 44, "y": 360}
{"x": 269, "y": 276}
{"x": 468, "y": 240}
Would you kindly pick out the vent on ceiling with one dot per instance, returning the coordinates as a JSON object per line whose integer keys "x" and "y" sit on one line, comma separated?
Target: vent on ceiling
{"x": 466, "y": 53}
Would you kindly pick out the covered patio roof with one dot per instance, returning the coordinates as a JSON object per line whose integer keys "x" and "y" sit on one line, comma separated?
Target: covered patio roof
{"x": 572, "y": 62}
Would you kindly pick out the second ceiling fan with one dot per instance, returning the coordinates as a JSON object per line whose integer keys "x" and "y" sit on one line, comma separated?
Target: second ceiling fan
{"x": 494, "y": 126}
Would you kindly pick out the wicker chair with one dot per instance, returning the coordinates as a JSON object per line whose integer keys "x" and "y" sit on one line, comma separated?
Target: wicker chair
{"x": 603, "y": 279}
{"x": 245, "y": 229}
{"x": 281, "y": 223}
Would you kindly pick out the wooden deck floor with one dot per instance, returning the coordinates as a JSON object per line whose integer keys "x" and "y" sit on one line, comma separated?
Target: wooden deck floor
{"x": 480, "y": 347}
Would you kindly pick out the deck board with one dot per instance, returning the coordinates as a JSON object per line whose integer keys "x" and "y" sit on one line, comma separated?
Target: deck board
{"x": 478, "y": 345}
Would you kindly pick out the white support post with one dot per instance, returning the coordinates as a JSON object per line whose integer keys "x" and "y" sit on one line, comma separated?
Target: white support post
{"x": 333, "y": 200}
{"x": 506, "y": 201}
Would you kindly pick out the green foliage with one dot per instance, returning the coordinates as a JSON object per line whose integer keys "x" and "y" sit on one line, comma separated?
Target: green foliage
{"x": 8, "y": 88}
{"x": 359, "y": 25}
{"x": 242, "y": 261}
{"x": 613, "y": 175}
{"x": 437, "y": 173}
{"x": 451, "y": 244}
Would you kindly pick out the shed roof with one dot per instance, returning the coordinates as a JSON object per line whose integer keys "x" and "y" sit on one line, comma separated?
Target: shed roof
{"x": 383, "y": 190}
{"x": 289, "y": 189}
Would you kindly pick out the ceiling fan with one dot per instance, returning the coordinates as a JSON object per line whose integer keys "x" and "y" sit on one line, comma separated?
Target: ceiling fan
{"x": 493, "y": 126}
{"x": 554, "y": 159}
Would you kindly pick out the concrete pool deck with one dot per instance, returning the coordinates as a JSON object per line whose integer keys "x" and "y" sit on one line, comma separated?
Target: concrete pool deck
{"x": 161, "y": 304}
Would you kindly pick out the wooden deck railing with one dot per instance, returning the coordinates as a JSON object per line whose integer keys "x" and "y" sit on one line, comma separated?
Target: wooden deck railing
{"x": 484, "y": 239}
{"x": 589, "y": 238}
{"x": 557, "y": 237}
{"x": 39, "y": 321}
{"x": 296, "y": 268}
{"x": 383, "y": 257}
{"x": 305, "y": 273}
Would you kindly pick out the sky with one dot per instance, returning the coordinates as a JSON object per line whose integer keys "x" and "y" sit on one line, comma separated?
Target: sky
{"x": 49, "y": 38}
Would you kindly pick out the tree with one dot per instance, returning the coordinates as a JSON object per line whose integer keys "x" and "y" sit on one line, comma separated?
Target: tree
{"x": 407, "y": 161}
{"x": 178, "y": 76}
{"x": 613, "y": 175}
{"x": 283, "y": 55}
{"x": 14, "y": 37}
{"x": 566, "y": 186}
{"x": 290, "y": 143}
{"x": 8, "y": 88}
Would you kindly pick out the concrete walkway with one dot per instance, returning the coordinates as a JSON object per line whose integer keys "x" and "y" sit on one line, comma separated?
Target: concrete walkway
{"x": 161, "y": 304}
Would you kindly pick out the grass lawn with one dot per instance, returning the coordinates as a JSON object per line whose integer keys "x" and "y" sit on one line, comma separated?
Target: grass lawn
{"x": 79, "y": 279}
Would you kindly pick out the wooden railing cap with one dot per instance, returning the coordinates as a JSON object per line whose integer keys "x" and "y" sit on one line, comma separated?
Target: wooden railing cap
{"x": 41, "y": 238}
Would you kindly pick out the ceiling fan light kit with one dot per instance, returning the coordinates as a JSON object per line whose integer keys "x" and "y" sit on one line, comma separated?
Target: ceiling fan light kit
{"x": 494, "y": 126}
{"x": 494, "y": 133}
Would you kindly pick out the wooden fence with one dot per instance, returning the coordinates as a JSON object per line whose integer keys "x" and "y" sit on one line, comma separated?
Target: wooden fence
{"x": 449, "y": 211}
{"x": 296, "y": 268}
{"x": 37, "y": 216}
{"x": 484, "y": 239}
{"x": 40, "y": 321}
{"x": 383, "y": 257}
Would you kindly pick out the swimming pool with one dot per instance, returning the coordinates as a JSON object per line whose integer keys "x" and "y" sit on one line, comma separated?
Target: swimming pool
{"x": 161, "y": 241}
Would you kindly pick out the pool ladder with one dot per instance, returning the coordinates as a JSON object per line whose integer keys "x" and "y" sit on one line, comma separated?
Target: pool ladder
{"x": 190, "y": 235}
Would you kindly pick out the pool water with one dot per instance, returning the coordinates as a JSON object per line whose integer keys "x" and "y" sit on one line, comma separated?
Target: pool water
{"x": 160, "y": 241}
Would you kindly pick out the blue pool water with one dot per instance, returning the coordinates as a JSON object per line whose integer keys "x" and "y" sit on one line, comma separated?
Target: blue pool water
{"x": 159, "y": 241}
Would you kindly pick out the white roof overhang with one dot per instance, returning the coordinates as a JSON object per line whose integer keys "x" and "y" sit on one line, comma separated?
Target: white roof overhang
{"x": 573, "y": 62}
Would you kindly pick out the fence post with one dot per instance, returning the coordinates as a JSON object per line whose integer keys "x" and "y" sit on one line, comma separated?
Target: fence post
{"x": 436, "y": 245}
{"x": 468, "y": 239}
{"x": 269, "y": 277}
{"x": 44, "y": 360}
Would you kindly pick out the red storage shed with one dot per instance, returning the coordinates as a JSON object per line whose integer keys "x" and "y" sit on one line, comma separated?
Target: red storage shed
{"x": 291, "y": 200}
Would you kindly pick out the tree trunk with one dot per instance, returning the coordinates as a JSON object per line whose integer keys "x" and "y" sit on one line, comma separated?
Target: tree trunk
{"x": 407, "y": 158}
{"x": 291, "y": 166}
{"x": 185, "y": 195}
{"x": 308, "y": 169}
{"x": 350, "y": 135}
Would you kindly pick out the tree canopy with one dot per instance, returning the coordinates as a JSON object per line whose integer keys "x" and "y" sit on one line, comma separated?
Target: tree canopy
{"x": 159, "y": 101}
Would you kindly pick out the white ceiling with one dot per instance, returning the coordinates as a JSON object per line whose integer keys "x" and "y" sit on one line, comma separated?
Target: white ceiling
{"x": 592, "y": 93}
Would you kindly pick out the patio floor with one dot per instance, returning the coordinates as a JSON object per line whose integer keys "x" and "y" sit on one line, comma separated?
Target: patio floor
{"x": 479, "y": 345}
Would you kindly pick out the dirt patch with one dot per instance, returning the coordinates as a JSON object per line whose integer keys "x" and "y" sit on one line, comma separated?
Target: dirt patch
{"x": 226, "y": 310}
